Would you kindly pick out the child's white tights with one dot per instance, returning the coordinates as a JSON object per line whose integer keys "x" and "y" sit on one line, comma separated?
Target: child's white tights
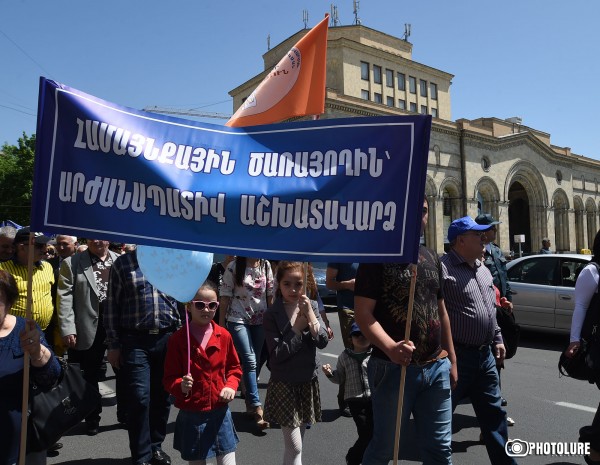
{"x": 227, "y": 459}
{"x": 292, "y": 439}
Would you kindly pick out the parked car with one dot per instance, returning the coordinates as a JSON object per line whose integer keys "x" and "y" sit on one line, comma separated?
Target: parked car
{"x": 320, "y": 272}
{"x": 543, "y": 289}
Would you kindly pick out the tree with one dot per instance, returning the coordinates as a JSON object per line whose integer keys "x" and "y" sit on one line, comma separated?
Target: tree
{"x": 16, "y": 180}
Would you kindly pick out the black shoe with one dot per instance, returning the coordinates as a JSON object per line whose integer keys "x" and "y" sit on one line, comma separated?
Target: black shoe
{"x": 53, "y": 449}
{"x": 160, "y": 458}
{"x": 345, "y": 412}
{"x": 92, "y": 427}
{"x": 503, "y": 402}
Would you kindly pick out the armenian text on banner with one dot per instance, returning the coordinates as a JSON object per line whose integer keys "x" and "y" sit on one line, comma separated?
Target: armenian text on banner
{"x": 330, "y": 190}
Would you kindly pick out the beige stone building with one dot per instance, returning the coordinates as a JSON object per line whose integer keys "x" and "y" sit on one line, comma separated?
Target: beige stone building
{"x": 486, "y": 165}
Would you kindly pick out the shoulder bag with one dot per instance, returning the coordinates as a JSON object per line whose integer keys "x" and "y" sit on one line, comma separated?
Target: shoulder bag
{"x": 55, "y": 410}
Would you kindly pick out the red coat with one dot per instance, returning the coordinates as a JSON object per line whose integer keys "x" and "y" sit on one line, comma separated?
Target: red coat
{"x": 212, "y": 369}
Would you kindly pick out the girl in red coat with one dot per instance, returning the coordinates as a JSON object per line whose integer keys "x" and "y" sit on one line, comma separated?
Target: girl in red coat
{"x": 204, "y": 384}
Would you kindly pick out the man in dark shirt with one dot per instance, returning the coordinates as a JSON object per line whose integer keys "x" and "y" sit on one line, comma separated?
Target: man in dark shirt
{"x": 471, "y": 302}
{"x": 495, "y": 261}
{"x": 381, "y": 305}
{"x": 139, "y": 320}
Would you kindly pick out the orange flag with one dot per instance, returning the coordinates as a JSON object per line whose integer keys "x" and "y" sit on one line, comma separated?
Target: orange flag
{"x": 295, "y": 87}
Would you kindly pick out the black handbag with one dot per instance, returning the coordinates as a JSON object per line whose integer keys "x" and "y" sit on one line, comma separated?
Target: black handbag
{"x": 511, "y": 331}
{"x": 583, "y": 364}
{"x": 54, "y": 411}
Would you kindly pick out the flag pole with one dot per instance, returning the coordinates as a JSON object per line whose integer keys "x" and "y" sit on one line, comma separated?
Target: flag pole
{"x": 411, "y": 300}
{"x": 25, "y": 402}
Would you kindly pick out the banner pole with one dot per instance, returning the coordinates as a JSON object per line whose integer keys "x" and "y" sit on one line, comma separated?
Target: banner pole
{"x": 25, "y": 402}
{"x": 305, "y": 267}
{"x": 411, "y": 300}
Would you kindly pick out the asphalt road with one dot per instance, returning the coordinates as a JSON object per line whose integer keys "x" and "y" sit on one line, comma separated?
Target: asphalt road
{"x": 545, "y": 407}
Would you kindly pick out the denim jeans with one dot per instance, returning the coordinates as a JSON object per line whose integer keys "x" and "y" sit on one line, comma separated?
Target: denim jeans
{"x": 426, "y": 396}
{"x": 248, "y": 341}
{"x": 148, "y": 404}
{"x": 478, "y": 380}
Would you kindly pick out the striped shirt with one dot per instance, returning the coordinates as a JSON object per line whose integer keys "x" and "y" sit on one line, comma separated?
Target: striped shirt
{"x": 43, "y": 279}
{"x": 133, "y": 303}
{"x": 470, "y": 300}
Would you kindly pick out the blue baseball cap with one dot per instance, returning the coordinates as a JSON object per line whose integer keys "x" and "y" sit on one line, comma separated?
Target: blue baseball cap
{"x": 464, "y": 224}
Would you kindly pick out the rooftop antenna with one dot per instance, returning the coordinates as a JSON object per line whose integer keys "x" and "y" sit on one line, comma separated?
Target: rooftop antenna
{"x": 406, "y": 32}
{"x": 335, "y": 21}
{"x": 269, "y": 42}
{"x": 305, "y": 18}
{"x": 356, "y": 6}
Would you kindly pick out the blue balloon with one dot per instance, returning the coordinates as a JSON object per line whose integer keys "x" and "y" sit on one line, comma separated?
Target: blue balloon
{"x": 176, "y": 272}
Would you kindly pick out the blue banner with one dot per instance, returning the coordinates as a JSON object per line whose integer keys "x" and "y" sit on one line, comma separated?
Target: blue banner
{"x": 329, "y": 190}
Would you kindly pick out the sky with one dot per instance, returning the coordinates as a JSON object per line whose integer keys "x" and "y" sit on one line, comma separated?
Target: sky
{"x": 535, "y": 59}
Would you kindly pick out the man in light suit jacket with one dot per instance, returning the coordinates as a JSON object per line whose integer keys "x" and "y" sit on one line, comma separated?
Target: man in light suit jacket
{"x": 82, "y": 290}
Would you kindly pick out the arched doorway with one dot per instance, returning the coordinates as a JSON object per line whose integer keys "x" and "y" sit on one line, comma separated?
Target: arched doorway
{"x": 579, "y": 231}
{"x": 451, "y": 195}
{"x": 429, "y": 238}
{"x": 560, "y": 206}
{"x": 518, "y": 217}
{"x": 590, "y": 209}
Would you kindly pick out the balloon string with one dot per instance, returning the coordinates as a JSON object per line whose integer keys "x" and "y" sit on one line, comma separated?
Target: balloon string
{"x": 187, "y": 325}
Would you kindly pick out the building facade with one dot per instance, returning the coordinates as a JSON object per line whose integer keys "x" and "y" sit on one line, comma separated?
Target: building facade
{"x": 486, "y": 165}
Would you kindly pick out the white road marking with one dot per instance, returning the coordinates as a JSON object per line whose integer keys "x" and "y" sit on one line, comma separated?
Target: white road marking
{"x": 327, "y": 354}
{"x": 576, "y": 406}
{"x": 105, "y": 390}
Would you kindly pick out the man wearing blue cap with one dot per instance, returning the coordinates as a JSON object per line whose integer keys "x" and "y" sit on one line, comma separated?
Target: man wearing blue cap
{"x": 470, "y": 299}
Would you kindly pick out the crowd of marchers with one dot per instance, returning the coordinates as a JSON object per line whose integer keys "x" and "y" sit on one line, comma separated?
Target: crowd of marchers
{"x": 435, "y": 320}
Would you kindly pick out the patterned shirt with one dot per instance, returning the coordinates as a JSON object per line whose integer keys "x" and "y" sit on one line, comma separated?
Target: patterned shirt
{"x": 101, "y": 270}
{"x": 133, "y": 303}
{"x": 249, "y": 301}
{"x": 389, "y": 285}
{"x": 352, "y": 374}
{"x": 470, "y": 300}
{"x": 43, "y": 279}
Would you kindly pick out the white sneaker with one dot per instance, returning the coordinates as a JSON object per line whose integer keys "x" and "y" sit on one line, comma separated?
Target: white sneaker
{"x": 510, "y": 421}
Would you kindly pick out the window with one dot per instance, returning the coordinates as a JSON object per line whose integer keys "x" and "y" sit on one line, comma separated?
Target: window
{"x": 412, "y": 84}
{"x": 485, "y": 163}
{"x": 413, "y": 107}
{"x": 389, "y": 101}
{"x": 433, "y": 90}
{"x": 538, "y": 270}
{"x": 401, "y": 81}
{"x": 434, "y": 112}
{"x": 389, "y": 78}
{"x": 402, "y": 104}
{"x": 377, "y": 98}
{"x": 364, "y": 71}
{"x": 364, "y": 94}
{"x": 377, "y": 74}
{"x": 423, "y": 109}
{"x": 423, "y": 87}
